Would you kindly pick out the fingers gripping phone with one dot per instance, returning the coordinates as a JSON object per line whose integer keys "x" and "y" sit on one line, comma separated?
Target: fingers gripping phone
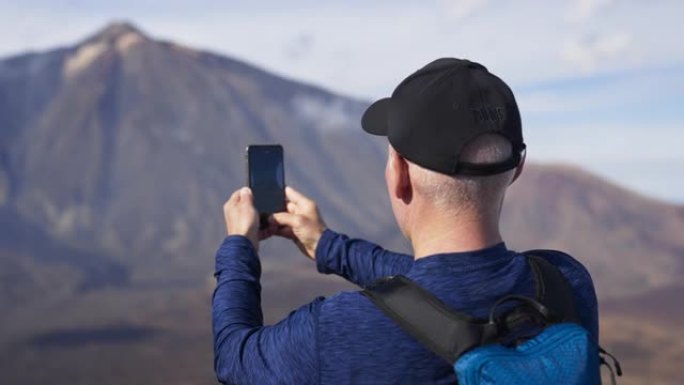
{"x": 266, "y": 178}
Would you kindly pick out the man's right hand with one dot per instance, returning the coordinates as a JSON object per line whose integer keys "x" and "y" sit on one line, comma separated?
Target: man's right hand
{"x": 302, "y": 223}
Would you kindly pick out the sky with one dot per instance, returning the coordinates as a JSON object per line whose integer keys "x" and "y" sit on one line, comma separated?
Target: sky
{"x": 600, "y": 83}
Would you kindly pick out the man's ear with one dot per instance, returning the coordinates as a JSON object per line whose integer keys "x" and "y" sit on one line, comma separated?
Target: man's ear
{"x": 520, "y": 167}
{"x": 402, "y": 188}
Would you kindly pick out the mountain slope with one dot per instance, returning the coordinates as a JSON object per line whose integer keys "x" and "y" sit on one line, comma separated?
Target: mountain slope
{"x": 629, "y": 243}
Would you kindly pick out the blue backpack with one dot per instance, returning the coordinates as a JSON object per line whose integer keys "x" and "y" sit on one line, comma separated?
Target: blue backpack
{"x": 539, "y": 341}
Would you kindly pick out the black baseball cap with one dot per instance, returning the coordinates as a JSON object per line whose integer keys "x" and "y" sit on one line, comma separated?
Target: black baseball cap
{"x": 434, "y": 113}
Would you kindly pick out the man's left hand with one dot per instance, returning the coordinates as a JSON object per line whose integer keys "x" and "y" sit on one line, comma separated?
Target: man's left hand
{"x": 242, "y": 218}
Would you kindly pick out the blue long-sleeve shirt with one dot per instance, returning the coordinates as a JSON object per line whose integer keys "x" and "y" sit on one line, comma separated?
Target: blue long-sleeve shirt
{"x": 345, "y": 339}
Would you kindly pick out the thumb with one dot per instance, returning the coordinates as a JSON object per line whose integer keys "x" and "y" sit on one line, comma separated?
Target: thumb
{"x": 295, "y": 196}
{"x": 286, "y": 219}
{"x": 246, "y": 194}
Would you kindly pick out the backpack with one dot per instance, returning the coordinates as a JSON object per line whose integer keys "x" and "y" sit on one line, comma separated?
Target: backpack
{"x": 538, "y": 341}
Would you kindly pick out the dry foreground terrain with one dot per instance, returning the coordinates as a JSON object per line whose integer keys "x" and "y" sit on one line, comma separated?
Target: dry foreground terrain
{"x": 162, "y": 336}
{"x": 116, "y": 154}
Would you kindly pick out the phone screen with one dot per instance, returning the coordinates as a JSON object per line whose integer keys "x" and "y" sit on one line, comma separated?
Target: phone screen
{"x": 267, "y": 177}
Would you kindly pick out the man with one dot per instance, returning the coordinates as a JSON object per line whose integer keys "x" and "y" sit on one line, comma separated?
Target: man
{"x": 455, "y": 145}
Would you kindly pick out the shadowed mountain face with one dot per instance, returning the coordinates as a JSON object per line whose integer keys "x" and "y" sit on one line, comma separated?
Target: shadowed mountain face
{"x": 116, "y": 156}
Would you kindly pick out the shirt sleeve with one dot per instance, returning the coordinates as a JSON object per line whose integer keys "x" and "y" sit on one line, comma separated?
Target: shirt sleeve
{"x": 246, "y": 351}
{"x": 358, "y": 261}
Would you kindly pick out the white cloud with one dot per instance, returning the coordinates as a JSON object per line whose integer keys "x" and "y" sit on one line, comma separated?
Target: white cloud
{"x": 300, "y": 46}
{"x": 589, "y": 144}
{"x": 583, "y": 10}
{"x": 591, "y": 52}
{"x": 632, "y": 94}
{"x": 332, "y": 115}
{"x": 623, "y": 153}
{"x": 460, "y": 9}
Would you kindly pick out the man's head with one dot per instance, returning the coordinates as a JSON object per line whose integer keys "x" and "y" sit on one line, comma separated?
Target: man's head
{"x": 455, "y": 142}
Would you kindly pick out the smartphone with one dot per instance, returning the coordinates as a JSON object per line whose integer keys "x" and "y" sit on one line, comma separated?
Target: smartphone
{"x": 266, "y": 178}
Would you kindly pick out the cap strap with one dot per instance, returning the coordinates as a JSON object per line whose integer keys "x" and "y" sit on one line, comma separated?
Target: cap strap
{"x": 474, "y": 169}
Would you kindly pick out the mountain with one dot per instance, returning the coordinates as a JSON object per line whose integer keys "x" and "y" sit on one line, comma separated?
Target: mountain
{"x": 37, "y": 253}
{"x": 630, "y": 243}
{"x": 116, "y": 155}
{"x": 130, "y": 144}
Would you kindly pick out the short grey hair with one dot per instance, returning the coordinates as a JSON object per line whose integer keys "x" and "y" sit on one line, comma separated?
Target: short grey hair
{"x": 458, "y": 192}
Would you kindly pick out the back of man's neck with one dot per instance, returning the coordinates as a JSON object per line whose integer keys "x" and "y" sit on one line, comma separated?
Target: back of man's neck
{"x": 438, "y": 237}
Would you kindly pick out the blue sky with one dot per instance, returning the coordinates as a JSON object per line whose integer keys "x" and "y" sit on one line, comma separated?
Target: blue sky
{"x": 600, "y": 83}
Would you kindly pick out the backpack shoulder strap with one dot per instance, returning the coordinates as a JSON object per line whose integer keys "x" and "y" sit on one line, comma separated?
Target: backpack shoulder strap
{"x": 553, "y": 289}
{"x": 449, "y": 333}
{"x": 555, "y": 292}
{"x": 423, "y": 316}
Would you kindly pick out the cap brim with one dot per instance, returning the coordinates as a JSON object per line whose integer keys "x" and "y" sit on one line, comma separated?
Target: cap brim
{"x": 374, "y": 120}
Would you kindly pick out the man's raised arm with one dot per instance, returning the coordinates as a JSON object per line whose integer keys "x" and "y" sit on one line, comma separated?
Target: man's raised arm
{"x": 356, "y": 260}
{"x": 246, "y": 351}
